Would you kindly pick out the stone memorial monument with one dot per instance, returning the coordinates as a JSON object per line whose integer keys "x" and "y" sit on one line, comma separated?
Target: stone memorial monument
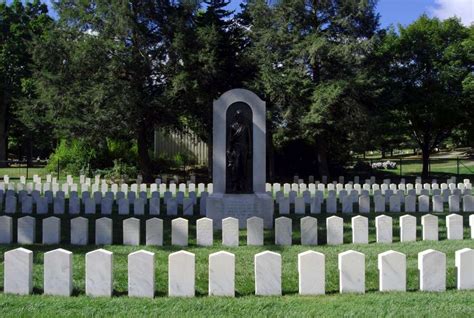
{"x": 239, "y": 160}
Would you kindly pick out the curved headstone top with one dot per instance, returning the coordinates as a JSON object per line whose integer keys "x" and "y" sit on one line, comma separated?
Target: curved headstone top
{"x": 257, "y": 146}
{"x": 240, "y": 95}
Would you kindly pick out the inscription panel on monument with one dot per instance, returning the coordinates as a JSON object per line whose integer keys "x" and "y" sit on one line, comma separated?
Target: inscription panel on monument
{"x": 237, "y": 206}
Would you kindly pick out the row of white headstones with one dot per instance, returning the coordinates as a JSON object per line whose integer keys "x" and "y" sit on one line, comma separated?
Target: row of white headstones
{"x": 79, "y": 235}
{"x": 365, "y": 203}
{"x": 296, "y": 179}
{"x": 392, "y": 266}
{"x": 103, "y": 186}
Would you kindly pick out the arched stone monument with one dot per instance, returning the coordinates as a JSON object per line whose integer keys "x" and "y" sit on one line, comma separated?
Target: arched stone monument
{"x": 239, "y": 159}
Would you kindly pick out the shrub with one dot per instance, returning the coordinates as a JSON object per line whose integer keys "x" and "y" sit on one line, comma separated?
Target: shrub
{"x": 73, "y": 157}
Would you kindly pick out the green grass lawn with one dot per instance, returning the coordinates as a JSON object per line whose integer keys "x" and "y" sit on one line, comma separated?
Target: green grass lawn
{"x": 439, "y": 168}
{"x": 16, "y": 172}
{"x": 373, "y": 303}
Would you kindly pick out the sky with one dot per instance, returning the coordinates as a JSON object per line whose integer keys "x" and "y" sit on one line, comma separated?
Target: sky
{"x": 394, "y": 12}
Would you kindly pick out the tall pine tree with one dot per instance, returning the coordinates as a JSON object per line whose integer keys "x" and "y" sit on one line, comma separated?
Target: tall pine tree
{"x": 312, "y": 59}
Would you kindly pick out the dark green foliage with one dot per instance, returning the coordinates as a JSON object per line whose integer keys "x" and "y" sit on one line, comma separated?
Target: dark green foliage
{"x": 312, "y": 67}
{"x": 335, "y": 84}
{"x": 20, "y": 24}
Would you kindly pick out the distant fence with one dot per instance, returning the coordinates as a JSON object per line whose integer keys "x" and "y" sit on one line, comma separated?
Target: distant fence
{"x": 404, "y": 167}
{"x": 22, "y": 168}
{"x": 179, "y": 142}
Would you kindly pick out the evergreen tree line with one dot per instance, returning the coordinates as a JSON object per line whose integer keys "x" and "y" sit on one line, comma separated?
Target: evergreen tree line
{"x": 336, "y": 84}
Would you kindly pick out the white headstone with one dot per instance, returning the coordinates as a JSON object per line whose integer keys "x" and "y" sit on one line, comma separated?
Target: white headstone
{"x": 99, "y": 273}
{"x": 284, "y": 206}
{"x": 410, "y": 203}
{"x": 392, "y": 267}
{"x": 154, "y": 232}
{"x": 407, "y": 228}
{"x": 131, "y": 231}
{"x": 51, "y": 230}
{"x": 18, "y": 272}
{"x": 468, "y": 203}
{"x": 315, "y": 204}
{"x": 230, "y": 232}
{"x": 334, "y": 230}
{"x": 58, "y": 273}
{"x": 254, "y": 231}
{"x": 222, "y": 274}
{"x": 6, "y": 229}
{"x": 471, "y": 224}
{"x": 267, "y": 274}
{"x": 154, "y": 206}
{"x": 432, "y": 267}
{"x": 364, "y": 204}
{"x": 464, "y": 262}
{"x": 300, "y": 205}
{"x": 438, "y": 203}
{"x": 309, "y": 230}
{"x": 429, "y": 223}
{"x": 103, "y": 231}
{"x": 351, "y": 265}
{"x": 79, "y": 231}
{"x": 379, "y": 202}
{"x": 312, "y": 273}
{"x": 74, "y": 205}
{"x": 123, "y": 206}
{"x": 26, "y": 204}
{"x": 453, "y": 202}
{"x": 181, "y": 274}
{"x": 424, "y": 203}
{"x": 283, "y": 231}
{"x": 89, "y": 206}
{"x": 139, "y": 206}
{"x": 204, "y": 232}
{"x": 454, "y": 225}
{"x": 360, "y": 230}
{"x": 171, "y": 207}
{"x": 42, "y": 205}
{"x": 179, "y": 232}
{"x": 395, "y": 205}
{"x": 331, "y": 204}
{"x": 188, "y": 205}
{"x": 347, "y": 204}
{"x": 141, "y": 274}
{"x": 26, "y": 231}
{"x": 384, "y": 229}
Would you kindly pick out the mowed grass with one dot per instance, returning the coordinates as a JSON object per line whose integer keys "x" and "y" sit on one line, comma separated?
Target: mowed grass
{"x": 373, "y": 303}
{"x": 16, "y": 172}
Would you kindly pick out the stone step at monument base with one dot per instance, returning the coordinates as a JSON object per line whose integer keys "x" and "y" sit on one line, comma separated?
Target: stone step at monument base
{"x": 240, "y": 206}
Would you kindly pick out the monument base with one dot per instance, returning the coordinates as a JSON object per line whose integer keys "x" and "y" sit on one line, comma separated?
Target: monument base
{"x": 240, "y": 206}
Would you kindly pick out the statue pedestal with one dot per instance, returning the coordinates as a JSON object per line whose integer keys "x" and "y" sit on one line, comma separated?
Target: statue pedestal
{"x": 240, "y": 206}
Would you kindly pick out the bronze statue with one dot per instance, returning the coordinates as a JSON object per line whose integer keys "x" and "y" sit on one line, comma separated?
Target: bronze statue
{"x": 239, "y": 154}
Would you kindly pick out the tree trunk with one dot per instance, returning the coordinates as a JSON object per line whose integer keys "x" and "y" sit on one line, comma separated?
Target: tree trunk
{"x": 426, "y": 162}
{"x": 3, "y": 129}
{"x": 144, "y": 160}
{"x": 323, "y": 166}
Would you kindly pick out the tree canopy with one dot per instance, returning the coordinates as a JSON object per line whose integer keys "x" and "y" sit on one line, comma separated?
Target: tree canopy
{"x": 335, "y": 83}
{"x": 430, "y": 66}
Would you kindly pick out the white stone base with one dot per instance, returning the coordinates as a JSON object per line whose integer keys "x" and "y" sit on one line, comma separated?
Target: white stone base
{"x": 240, "y": 206}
